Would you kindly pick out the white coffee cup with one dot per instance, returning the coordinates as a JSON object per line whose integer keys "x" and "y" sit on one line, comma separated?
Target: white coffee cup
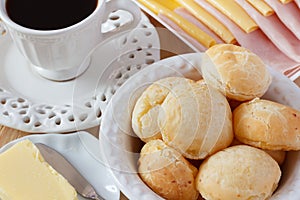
{"x": 64, "y": 54}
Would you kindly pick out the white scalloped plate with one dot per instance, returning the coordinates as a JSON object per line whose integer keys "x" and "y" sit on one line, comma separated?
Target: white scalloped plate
{"x": 83, "y": 151}
{"x": 121, "y": 146}
{"x": 31, "y": 103}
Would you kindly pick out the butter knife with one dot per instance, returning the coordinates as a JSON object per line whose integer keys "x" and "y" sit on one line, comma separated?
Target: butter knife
{"x": 65, "y": 168}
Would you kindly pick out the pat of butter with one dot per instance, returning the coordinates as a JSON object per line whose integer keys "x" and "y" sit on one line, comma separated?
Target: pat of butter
{"x": 25, "y": 175}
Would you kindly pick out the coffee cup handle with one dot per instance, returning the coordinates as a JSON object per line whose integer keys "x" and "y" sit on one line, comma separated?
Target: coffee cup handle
{"x": 129, "y": 6}
{"x": 2, "y": 28}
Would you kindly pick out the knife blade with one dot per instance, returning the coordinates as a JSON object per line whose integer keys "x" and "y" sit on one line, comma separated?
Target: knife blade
{"x": 67, "y": 170}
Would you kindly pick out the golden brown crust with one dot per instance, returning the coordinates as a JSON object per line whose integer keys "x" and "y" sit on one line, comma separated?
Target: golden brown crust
{"x": 239, "y": 73}
{"x": 167, "y": 172}
{"x": 238, "y": 172}
{"x": 196, "y": 120}
{"x": 277, "y": 155}
{"x": 267, "y": 125}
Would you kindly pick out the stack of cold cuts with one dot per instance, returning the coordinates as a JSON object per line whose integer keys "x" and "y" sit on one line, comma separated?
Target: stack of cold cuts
{"x": 269, "y": 28}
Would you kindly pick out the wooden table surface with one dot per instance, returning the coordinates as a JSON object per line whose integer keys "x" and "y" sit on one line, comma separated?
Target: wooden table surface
{"x": 8, "y": 134}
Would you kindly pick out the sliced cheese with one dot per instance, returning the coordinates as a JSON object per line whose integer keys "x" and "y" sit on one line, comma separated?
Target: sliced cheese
{"x": 170, "y": 4}
{"x": 262, "y": 7}
{"x": 191, "y": 29}
{"x": 236, "y": 13}
{"x": 285, "y": 1}
{"x": 25, "y": 175}
{"x": 209, "y": 20}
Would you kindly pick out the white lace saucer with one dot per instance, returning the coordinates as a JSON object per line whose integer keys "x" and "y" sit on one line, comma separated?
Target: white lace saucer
{"x": 31, "y": 103}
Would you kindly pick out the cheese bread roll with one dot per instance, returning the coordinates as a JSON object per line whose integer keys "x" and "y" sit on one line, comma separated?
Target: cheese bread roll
{"x": 196, "y": 120}
{"x": 167, "y": 172}
{"x": 267, "y": 125}
{"x": 145, "y": 112}
{"x": 238, "y": 172}
{"x": 277, "y": 155}
{"x": 237, "y": 72}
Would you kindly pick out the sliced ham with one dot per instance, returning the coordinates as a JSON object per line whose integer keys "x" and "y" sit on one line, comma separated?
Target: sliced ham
{"x": 293, "y": 73}
{"x": 289, "y": 14}
{"x": 185, "y": 14}
{"x": 276, "y": 31}
{"x": 255, "y": 41}
{"x": 186, "y": 36}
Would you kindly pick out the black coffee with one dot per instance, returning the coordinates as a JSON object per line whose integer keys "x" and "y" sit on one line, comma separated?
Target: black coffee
{"x": 49, "y": 14}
